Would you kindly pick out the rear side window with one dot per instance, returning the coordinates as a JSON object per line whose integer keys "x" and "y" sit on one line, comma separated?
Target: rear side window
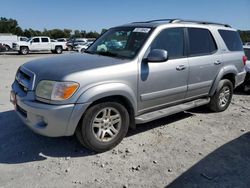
{"x": 201, "y": 42}
{"x": 171, "y": 40}
{"x": 45, "y": 40}
{"x": 232, "y": 40}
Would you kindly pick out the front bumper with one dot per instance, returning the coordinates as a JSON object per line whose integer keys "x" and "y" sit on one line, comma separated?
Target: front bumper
{"x": 15, "y": 47}
{"x": 47, "y": 119}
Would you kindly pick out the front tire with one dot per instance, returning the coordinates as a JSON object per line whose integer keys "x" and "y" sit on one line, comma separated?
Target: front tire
{"x": 103, "y": 126}
{"x": 222, "y": 97}
{"x": 24, "y": 50}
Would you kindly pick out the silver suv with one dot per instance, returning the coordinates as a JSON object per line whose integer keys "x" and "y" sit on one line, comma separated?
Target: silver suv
{"x": 132, "y": 74}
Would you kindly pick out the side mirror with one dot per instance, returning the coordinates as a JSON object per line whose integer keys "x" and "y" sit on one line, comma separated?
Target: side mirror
{"x": 157, "y": 55}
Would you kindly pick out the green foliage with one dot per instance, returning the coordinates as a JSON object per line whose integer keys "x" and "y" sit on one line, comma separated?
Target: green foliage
{"x": 245, "y": 36}
{"x": 103, "y": 31}
{"x": 11, "y": 26}
{"x": 8, "y": 25}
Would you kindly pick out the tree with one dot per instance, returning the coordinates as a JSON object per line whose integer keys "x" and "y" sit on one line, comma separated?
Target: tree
{"x": 92, "y": 34}
{"x": 103, "y": 31}
{"x": 245, "y": 36}
{"x": 9, "y": 26}
{"x": 67, "y": 33}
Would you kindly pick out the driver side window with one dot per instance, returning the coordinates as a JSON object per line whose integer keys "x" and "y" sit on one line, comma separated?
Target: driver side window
{"x": 171, "y": 40}
{"x": 36, "y": 40}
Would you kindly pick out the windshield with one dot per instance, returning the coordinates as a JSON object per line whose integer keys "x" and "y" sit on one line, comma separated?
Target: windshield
{"x": 122, "y": 42}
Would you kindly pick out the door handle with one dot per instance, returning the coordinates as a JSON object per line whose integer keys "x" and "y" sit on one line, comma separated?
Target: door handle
{"x": 217, "y": 62}
{"x": 181, "y": 67}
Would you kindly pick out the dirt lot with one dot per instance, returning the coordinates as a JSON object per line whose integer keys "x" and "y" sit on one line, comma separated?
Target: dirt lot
{"x": 192, "y": 149}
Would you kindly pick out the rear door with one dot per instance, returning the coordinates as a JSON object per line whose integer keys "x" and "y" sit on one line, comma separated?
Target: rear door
{"x": 204, "y": 61}
{"x": 45, "y": 44}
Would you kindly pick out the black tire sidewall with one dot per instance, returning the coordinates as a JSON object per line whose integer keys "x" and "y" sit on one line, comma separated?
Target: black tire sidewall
{"x": 24, "y": 48}
{"x": 88, "y": 136}
{"x": 58, "y": 48}
{"x": 222, "y": 84}
{"x": 7, "y": 48}
{"x": 69, "y": 48}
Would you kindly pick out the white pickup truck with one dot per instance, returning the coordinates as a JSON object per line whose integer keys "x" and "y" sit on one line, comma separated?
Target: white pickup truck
{"x": 39, "y": 43}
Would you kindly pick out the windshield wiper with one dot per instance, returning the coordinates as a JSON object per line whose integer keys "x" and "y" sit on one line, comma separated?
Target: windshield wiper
{"x": 89, "y": 52}
{"x": 110, "y": 54}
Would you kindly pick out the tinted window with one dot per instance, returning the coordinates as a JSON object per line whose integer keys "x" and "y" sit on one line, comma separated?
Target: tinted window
{"x": 36, "y": 40}
{"x": 171, "y": 40}
{"x": 201, "y": 42}
{"x": 45, "y": 40}
{"x": 247, "y": 53}
{"x": 231, "y": 39}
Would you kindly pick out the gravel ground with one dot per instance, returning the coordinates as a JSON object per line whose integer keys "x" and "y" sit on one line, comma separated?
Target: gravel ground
{"x": 190, "y": 149}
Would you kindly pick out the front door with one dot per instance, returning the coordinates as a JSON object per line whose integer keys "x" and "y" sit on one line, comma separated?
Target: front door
{"x": 35, "y": 44}
{"x": 164, "y": 83}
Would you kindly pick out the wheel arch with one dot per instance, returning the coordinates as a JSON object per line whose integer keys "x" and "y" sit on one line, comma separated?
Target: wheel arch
{"x": 113, "y": 92}
{"x": 229, "y": 73}
{"x": 24, "y": 46}
{"x": 58, "y": 46}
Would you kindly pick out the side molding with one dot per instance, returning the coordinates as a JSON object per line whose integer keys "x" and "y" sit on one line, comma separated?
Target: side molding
{"x": 230, "y": 69}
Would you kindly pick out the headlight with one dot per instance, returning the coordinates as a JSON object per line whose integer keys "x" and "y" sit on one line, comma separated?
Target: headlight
{"x": 57, "y": 91}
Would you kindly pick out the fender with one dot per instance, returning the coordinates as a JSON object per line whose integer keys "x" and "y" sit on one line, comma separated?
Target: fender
{"x": 230, "y": 69}
{"x": 109, "y": 89}
{"x": 98, "y": 92}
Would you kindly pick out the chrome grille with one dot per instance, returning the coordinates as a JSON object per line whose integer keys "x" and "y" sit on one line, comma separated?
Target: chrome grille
{"x": 14, "y": 45}
{"x": 25, "y": 79}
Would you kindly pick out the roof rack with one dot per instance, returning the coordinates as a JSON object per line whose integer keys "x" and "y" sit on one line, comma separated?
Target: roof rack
{"x": 159, "y": 20}
{"x": 199, "y": 22}
{"x": 176, "y": 20}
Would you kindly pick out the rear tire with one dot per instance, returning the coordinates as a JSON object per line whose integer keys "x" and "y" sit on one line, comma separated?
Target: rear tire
{"x": 7, "y": 48}
{"x": 58, "y": 49}
{"x": 222, "y": 97}
{"x": 69, "y": 48}
{"x": 24, "y": 50}
{"x": 103, "y": 126}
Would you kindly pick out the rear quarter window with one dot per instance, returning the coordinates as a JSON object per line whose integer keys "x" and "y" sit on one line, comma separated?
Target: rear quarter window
{"x": 232, "y": 40}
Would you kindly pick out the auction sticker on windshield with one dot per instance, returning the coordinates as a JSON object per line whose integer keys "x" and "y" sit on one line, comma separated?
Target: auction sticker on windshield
{"x": 142, "y": 30}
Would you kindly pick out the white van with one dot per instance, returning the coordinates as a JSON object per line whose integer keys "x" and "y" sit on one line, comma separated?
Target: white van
{"x": 7, "y": 39}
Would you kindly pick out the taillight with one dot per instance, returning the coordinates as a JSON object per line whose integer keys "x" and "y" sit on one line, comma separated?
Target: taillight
{"x": 244, "y": 59}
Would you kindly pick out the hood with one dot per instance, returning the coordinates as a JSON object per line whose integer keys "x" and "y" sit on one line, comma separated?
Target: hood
{"x": 21, "y": 43}
{"x": 56, "y": 68}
